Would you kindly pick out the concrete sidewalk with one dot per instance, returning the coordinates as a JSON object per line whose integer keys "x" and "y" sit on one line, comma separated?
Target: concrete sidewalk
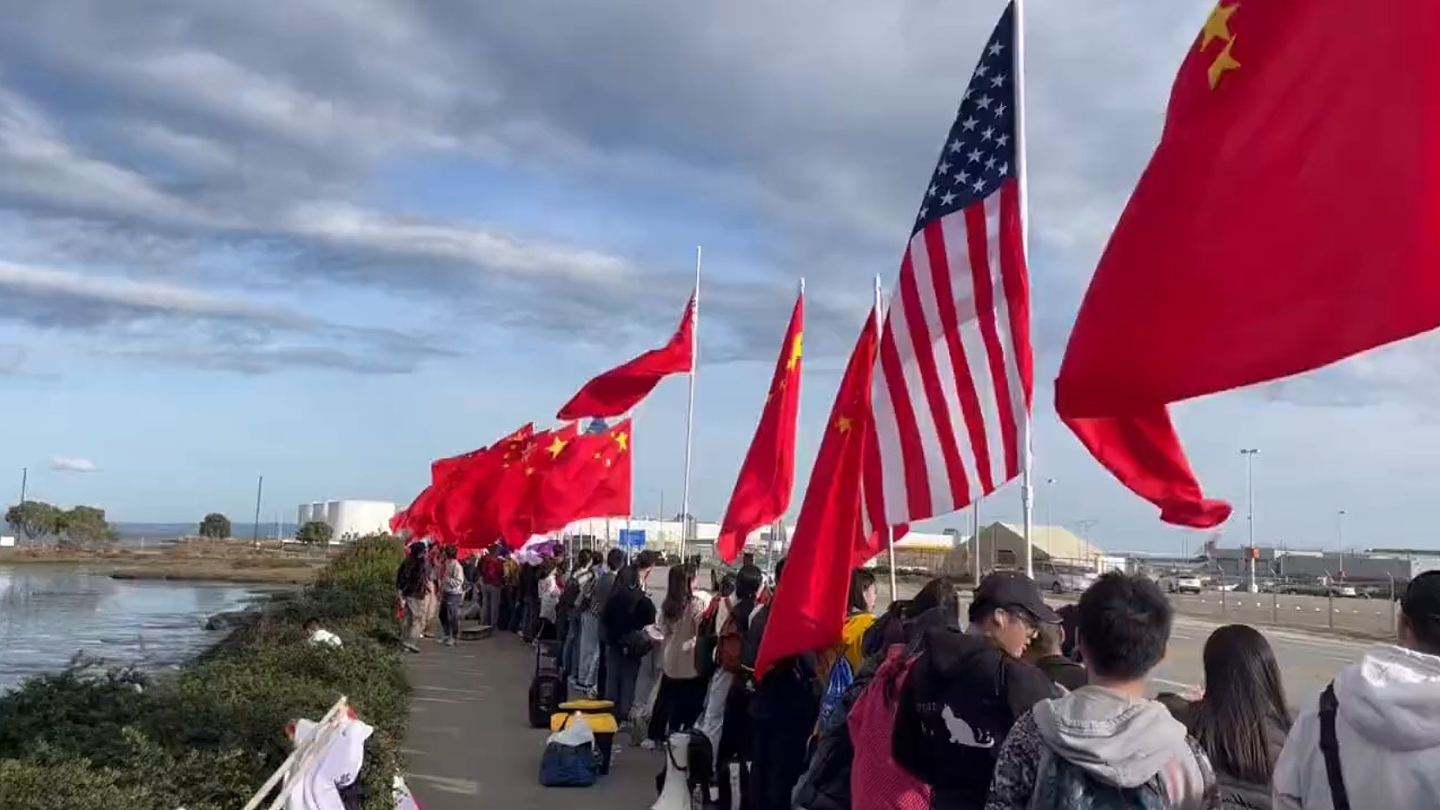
{"x": 469, "y": 744}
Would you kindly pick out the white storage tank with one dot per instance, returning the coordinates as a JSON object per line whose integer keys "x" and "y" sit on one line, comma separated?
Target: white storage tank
{"x": 307, "y": 512}
{"x": 317, "y": 511}
{"x": 352, "y": 519}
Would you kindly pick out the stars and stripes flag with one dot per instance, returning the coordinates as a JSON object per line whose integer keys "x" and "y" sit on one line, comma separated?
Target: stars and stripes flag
{"x": 952, "y": 390}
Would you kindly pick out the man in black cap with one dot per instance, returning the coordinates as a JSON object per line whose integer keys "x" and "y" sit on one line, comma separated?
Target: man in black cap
{"x": 1373, "y": 737}
{"x": 966, "y": 689}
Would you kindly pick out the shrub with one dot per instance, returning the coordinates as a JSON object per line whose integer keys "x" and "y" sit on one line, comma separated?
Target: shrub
{"x": 208, "y": 737}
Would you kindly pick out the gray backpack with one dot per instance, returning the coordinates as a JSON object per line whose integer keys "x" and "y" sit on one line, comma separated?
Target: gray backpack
{"x": 1061, "y": 785}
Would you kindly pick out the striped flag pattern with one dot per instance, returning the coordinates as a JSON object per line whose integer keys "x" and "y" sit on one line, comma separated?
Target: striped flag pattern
{"x": 953, "y": 388}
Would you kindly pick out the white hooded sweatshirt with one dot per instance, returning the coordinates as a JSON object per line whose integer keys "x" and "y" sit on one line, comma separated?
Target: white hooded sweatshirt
{"x": 1387, "y": 728}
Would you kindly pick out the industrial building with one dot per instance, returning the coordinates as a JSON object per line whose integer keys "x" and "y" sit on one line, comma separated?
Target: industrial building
{"x": 1293, "y": 564}
{"x": 349, "y": 519}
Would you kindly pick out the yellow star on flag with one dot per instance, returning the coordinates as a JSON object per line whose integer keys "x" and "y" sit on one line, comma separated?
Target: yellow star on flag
{"x": 1224, "y": 63}
{"x": 844, "y": 423}
{"x": 623, "y": 439}
{"x": 1218, "y": 26}
{"x": 556, "y": 447}
{"x": 797, "y": 348}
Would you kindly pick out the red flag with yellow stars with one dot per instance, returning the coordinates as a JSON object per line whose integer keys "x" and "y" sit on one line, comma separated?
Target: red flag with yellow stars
{"x": 420, "y": 517}
{"x": 460, "y": 516}
{"x": 808, "y": 612}
{"x": 1287, "y": 220}
{"x": 587, "y": 476}
{"x": 507, "y": 514}
{"x": 767, "y": 476}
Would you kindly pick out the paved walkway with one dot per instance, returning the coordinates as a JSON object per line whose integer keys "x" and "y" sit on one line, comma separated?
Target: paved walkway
{"x": 469, "y": 743}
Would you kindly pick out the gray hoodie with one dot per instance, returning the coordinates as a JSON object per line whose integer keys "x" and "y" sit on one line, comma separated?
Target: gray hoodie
{"x": 1115, "y": 739}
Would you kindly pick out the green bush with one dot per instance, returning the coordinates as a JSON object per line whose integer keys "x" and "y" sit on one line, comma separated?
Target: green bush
{"x": 208, "y": 737}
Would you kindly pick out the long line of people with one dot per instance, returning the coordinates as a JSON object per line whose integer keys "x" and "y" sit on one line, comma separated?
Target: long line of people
{"x": 999, "y": 716}
{"x": 1020, "y": 707}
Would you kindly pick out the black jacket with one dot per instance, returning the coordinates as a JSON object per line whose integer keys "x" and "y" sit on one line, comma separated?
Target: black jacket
{"x": 626, "y": 611}
{"x": 962, "y": 698}
{"x": 410, "y": 578}
{"x": 1063, "y": 672}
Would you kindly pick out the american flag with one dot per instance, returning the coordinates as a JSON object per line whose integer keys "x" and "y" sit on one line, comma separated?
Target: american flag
{"x": 952, "y": 391}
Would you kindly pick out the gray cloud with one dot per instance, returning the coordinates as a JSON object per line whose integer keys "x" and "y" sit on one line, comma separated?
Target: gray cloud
{"x": 164, "y": 134}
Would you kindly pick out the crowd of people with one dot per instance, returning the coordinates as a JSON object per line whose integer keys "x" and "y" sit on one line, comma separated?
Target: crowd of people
{"x": 1017, "y": 706}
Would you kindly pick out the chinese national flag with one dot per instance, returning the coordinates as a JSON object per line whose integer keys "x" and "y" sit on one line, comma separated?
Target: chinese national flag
{"x": 830, "y": 536}
{"x": 762, "y": 493}
{"x": 462, "y": 515}
{"x": 420, "y": 518}
{"x": 620, "y": 389}
{"x": 588, "y": 476}
{"x": 1287, "y": 220}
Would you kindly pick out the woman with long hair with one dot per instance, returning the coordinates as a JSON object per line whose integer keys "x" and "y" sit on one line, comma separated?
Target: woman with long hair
{"x": 1241, "y": 720}
{"x": 682, "y": 690}
{"x": 626, "y": 613}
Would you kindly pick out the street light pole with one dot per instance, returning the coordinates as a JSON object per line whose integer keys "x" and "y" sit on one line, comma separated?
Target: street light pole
{"x": 1340, "y": 533}
{"x": 1249, "y": 454}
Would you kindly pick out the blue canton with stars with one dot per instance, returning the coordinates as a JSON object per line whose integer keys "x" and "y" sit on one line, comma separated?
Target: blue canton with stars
{"x": 979, "y": 154}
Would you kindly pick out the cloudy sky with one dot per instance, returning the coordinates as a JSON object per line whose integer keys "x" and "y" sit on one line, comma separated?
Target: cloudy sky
{"x": 329, "y": 241}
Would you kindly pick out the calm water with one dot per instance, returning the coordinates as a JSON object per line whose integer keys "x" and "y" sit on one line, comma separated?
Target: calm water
{"x": 48, "y": 613}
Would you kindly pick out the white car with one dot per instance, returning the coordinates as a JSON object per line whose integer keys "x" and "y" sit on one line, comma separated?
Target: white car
{"x": 1186, "y": 584}
{"x": 1063, "y": 579}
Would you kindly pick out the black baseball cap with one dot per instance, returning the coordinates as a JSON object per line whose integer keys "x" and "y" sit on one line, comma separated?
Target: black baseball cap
{"x": 1422, "y": 598}
{"x": 1009, "y": 589}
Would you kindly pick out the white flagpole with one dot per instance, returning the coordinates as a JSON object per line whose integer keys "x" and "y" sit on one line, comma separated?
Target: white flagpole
{"x": 1027, "y": 490}
{"x": 690, "y": 414}
{"x": 889, "y": 535}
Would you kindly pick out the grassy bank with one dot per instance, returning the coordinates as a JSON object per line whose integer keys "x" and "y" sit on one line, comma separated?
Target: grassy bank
{"x": 206, "y": 738}
{"x": 207, "y": 561}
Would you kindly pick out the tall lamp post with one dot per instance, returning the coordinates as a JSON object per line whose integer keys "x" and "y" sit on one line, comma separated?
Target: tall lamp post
{"x": 1250, "y": 453}
{"x": 1340, "y": 537}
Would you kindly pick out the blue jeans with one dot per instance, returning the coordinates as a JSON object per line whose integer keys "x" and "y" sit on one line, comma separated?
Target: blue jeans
{"x": 588, "y": 671}
{"x": 570, "y": 654}
{"x": 620, "y": 675}
{"x": 450, "y": 615}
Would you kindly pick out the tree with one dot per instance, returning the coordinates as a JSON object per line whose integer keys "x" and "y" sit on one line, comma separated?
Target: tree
{"x": 84, "y": 525}
{"x": 215, "y": 526}
{"x": 33, "y": 519}
{"x": 315, "y": 533}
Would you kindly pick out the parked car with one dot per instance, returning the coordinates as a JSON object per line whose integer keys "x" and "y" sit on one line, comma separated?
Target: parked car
{"x": 1063, "y": 578}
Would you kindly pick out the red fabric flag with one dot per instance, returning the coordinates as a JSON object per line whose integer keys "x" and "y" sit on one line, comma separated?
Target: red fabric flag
{"x": 620, "y": 389}
{"x": 461, "y": 516}
{"x": 809, "y": 606}
{"x": 588, "y": 476}
{"x": 767, "y": 476}
{"x": 508, "y": 513}
{"x": 1286, "y": 221}
{"x": 420, "y": 518}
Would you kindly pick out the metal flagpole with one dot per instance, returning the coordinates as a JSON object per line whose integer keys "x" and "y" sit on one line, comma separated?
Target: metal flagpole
{"x": 1027, "y": 490}
{"x": 690, "y": 414}
{"x": 889, "y": 535}
{"x": 975, "y": 540}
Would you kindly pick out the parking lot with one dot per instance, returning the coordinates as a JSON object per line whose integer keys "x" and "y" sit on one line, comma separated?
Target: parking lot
{"x": 1372, "y": 618}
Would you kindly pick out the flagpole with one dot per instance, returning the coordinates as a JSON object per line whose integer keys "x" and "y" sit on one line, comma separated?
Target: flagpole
{"x": 1027, "y": 490}
{"x": 889, "y": 535}
{"x": 975, "y": 542}
{"x": 690, "y": 413}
